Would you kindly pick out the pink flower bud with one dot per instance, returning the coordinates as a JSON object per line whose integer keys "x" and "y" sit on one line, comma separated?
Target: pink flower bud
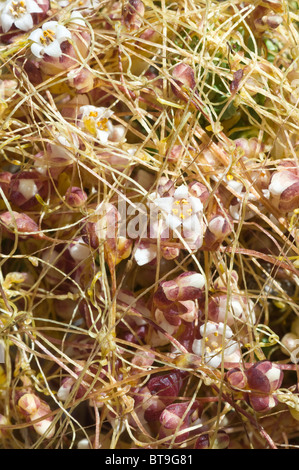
{"x": 250, "y": 147}
{"x": 219, "y": 228}
{"x": 29, "y": 404}
{"x": 81, "y": 79}
{"x": 143, "y": 359}
{"x": 187, "y": 310}
{"x": 273, "y": 21}
{"x": 264, "y": 377}
{"x": 199, "y": 190}
{"x": 262, "y": 403}
{"x": 221, "y": 309}
{"x": 284, "y": 190}
{"x": 75, "y": 197}
{"x": 43, "y": 426}
{"x": 183, "y": 75}
{"x": 170, "y": 252}
{"x": 24, "y": 186}
{"x": 65, "y": 388}
{"x": 133, "y": 13}
{"x": 187, "y": 286}
{"x": 175, "y": 419}
{"x": 237, "y": 378}
{"x": 164, "y": 390}
{"x": 21, "y": 223}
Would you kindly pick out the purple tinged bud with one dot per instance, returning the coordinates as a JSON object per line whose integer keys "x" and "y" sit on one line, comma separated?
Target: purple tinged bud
{"x": 22, "y": 223}
{"x": 187, "y": 286}
{"x": 218, "y": 229}
{"x": 262, "y": 403}
{"x": 170, "y": 252}
{"x": 237, "y": 77}
{"x": 199, "y": 190}
{"x": 75, "y": 197}
{"x": 184, "y": 77}
{"x": 274, "y": 21}
{"x": 264, "y": 377}
{"x": 133, "y": 14}
{"x": 284, "y": 190}
{"x": 81, "y": 79}
{"x": 237, "y": 378}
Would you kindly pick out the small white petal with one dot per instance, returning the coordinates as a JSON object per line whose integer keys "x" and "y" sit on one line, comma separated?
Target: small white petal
{"x": 33, "y": 7}
{"x": 197, "y": 347}
{"x": 192, "y": 224}
{"x": 27, "y": 188}
{"x": 213, "y": 360}
{"x": 208, "y": 329}
{"x": 196, "y": 204}
{"x": 172, "y": 221}
{"x": 164, "y": 203}
{"x": 234, "y": 211}
{"x": 50, "y": 25}
{"x": 36, "y": 35}
{"x": 104, "y": 112}
{"x": 181, "y": 192}
{"x": 53, "y": 49}
{"x": 37, "y": 50}
{"x": 85, "y": 110}
{"x": 24, "y": 23}
{"x": 62, "y": 33}
{"x": 145, "y": 255}
{"x": 102, "y": 136}
{"x": 230, "y": 348}
{"x": 6, "y": 22}
{"x": 64, "y": 392}
{"x": 117, "y": 133}
{"x": 77, "y": 18}
{"x": 79, "y": 251}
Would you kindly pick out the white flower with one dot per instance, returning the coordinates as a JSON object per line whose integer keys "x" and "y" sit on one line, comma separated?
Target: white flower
{"x": 77, "y": 18}
{"x": 96, "y": 121}
{"x": 18, "y": 13}
{"x": 184, "y": 210}
{"x": 47, "y": 39}
{"x": 210, "y": 346}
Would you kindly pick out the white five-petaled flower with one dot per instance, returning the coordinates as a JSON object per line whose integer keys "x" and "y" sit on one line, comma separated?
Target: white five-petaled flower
{"x": 96, "y": 121}
{"x": 47, "y": 39}
{"x": 210, "y": 347}
{"x": 181, "y": 209}
{"x": 18, "y": 13}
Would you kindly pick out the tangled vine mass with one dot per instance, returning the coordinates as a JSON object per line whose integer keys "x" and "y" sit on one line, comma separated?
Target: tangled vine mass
{"x": 149, "y": 208}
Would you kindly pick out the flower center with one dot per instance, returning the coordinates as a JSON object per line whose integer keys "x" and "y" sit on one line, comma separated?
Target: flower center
{"x": 102, "y": 124}
{"x": 212, "y": 344}
{"x": 182, "y": 208}
{"x": 18, "y": 9}
{"x": 47, "y": 37}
